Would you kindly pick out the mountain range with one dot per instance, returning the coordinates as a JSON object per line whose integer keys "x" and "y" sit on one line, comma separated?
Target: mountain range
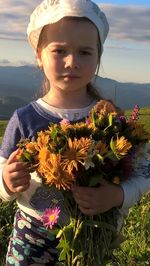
{"x": 19, "y": 85}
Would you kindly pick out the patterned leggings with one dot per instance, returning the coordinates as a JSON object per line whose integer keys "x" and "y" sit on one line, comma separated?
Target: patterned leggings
{"x": 31, "y": 244}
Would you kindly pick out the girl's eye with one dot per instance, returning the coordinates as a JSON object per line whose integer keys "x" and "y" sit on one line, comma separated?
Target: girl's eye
{"x": 59, "y": 51}
{"x": 85, "y": 53}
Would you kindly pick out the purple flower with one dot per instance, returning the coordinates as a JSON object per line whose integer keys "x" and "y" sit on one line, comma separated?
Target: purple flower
{"x": 122, "y": 118}
{"x": 50, "y": 217}
{"x": 135, "y": 113}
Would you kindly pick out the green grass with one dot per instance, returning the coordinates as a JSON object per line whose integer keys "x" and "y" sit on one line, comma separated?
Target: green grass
{"x": 2, "y": 128}
{"x": 134, "y": 251}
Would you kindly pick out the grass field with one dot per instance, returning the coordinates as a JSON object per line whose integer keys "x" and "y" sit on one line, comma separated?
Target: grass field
{"x": 134, "y": 251}
{"x": 2, "y": 128}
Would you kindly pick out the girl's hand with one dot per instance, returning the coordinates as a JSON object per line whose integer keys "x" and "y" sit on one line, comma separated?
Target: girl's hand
{"x": 16, "y": 176}
{"x": 97, "y": 200}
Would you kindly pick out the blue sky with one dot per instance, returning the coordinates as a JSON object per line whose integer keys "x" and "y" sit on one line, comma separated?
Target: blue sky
{"x": 126, "y": 54}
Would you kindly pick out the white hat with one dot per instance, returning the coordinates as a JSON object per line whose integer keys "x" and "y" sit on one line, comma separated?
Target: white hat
{"x": 51, "y": 11}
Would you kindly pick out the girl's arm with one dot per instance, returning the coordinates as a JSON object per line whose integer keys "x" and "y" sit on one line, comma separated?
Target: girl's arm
{"x": 137, "y": 185}
{"x": 12, "y": 173}
{"x": 4, "y": 195}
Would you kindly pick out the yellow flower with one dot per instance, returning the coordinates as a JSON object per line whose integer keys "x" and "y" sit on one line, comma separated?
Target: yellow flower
{"x": 31, "y": 147}
{"x": 76, "y": 153}
{"x": 53, "y": 171}
{"x": 82, "y": 126}
{"x": 43, "y": 155}
{"x": 120, "y": 146}
{"x": 42, "y": 140}
{"x": 65, "y": 125}
{"x": 116, "y": 180}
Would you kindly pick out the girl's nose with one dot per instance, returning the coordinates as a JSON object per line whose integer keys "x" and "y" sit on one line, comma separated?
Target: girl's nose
{"x": 71, "y": 61}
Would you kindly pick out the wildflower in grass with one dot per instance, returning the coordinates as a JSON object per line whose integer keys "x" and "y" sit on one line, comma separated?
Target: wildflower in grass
{"x": 50, "y": 217}
{"x": 139, "y": 132}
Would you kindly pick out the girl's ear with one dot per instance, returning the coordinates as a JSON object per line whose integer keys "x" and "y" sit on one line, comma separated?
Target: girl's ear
{"x": 39, "y": 60}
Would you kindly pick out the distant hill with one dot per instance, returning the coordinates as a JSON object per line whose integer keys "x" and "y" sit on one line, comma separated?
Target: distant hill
{"x": 22, "y": 81}
{"x": 8, "y": 104}
{"x": 23, "y": 84}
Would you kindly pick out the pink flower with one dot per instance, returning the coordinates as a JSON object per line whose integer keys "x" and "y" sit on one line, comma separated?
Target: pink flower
{"x": 50, "y": 217}
{"x": 135, "y": 113}
{"x": 88, "y": 120}
{"x": 65, "y": 122}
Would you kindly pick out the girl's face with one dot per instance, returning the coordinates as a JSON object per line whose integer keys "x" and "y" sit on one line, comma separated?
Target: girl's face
{"x": 69, "y": 54}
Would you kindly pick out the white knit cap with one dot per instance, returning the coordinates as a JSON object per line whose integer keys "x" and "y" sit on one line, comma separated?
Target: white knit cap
{"x": 51, "y": 11}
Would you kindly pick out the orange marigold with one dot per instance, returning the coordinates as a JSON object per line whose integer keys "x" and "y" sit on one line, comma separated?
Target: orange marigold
{"x": 54, "y": 172}
{"x": 42, "y": 139}
{"x": 76, "y": 153}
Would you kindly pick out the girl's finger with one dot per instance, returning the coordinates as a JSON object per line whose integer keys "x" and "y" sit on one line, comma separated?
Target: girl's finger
{"x": 17, "y": 167}
{"x": 22, "y": 188}
{"x": 20, "y": 181}
{"x": 12, "y": 158}
{"x": 83, "y": 193}
{"x": 20, "y": 176}
{"x": 19, "y": 184}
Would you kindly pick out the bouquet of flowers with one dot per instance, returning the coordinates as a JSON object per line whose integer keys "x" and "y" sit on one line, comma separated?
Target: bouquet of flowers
{"x": 103, "y": 147}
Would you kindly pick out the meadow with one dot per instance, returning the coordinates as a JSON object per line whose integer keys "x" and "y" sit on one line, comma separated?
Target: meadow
{"x": 134, "y": 251}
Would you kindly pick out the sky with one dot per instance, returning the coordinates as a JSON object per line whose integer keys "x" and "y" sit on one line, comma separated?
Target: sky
{"x": 126, "y": 56}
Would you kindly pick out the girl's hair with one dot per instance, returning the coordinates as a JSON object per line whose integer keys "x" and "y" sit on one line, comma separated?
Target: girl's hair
{"x": 90, "y": 87}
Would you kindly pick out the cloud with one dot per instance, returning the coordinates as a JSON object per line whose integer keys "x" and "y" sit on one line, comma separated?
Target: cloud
{"x": 15, "y": 17}
{"x": 6, "y": 62}
{"x": 126, "y": 22}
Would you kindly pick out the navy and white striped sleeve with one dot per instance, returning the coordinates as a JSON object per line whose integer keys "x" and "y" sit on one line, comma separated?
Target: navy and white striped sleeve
{"x": 11, "y": 136}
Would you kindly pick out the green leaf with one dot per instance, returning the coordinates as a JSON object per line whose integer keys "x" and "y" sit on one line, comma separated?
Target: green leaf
{"x": 93, "y": 117}
{"x": 112, "y": 146}
{"x": 110, "y": 119}
{"x": 100, "y": 157}
{"x": 27, "y": 157}
{"x": 64, "y": 247}
{"x": 110, "y": 122}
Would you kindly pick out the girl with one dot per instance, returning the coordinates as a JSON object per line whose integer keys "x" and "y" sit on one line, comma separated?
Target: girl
{"x": 68, "y": 38}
